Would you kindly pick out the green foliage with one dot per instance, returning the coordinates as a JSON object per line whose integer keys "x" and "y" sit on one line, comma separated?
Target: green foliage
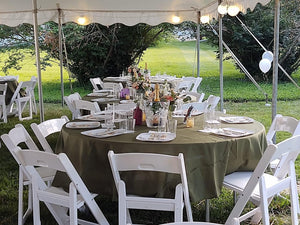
{"x": 102, "y": 50}
{"x": 261, "y": 22}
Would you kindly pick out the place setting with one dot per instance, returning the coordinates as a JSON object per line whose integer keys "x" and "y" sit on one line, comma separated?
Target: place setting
{"x": 212, "y": 125}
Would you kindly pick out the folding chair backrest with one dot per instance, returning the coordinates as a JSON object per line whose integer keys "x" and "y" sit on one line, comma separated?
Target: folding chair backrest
{"x": 70, "y": 103}
{"x": 126, "y": 106}
{"x": 212, "y": 101}
{"x": 200, "y": 106}
{"x": 283, "y": 123}
{"x": 3, "y": 88}
{"x": 184, "y": 85}
{"x": 93, "y": 107}
{"x": 17, "y": 136}
{"x": 47, "y": 128}
{"x": 97, "y": 82}
{"x": 197, "y": 82}
{"x": 288, "y": 151}
{"x": 151, "y": 162}
{"x": 249, "y": 188}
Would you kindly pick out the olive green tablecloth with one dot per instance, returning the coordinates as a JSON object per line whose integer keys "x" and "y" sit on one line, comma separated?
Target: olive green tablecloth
{"x": 207, "y": 159}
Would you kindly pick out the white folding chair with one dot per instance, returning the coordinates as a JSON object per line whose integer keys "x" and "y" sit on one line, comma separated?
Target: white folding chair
{"x": 97, "y": 83}
{"x": 46, "y": 128}
{"x": 34, "y": 107}
{"x": 92, "y": 107}
{"x": 150, "y": 162}
{"x": 12, "y": 140}
{"x": 270, "y": 185}
{"x": 3, "y": 115}
{"x": 282, "y": 123}
{"x": 251, "y": 183}
{"x": 195, "y": 83}
{"x": 184, "y": 86}
{"x": 21, "y": 100}
{"x": 56, "y": 199}
{"x": 212, "y": 101}
{"x": 195, "y": 96}
{"x": 199, "y": 106}
{"x": 70, "y": 103}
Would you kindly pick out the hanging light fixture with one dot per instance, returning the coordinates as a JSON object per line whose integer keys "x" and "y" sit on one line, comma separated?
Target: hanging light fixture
{"x": 204, "y": 19}
{"x": 222, "y": 8}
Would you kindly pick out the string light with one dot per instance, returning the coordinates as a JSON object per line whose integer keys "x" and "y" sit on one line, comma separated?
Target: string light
{"x": 176, "y": 19}
{"x": 222, "y": 8}
{"x": 204, "y": 19}
{"x": 233, "y": 10}
{"x": 82, "y": 20}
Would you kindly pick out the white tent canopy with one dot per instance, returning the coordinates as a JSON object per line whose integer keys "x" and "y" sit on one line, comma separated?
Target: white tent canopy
{"x": 107, "y": 12}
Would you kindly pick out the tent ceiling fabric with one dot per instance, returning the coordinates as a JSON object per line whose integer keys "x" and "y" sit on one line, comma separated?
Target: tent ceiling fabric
{"x": 107, "y": 12}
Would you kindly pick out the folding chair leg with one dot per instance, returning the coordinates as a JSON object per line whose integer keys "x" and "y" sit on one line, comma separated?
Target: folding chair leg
{"x": 293, "y": 195}
{"x": 29, "y": 208}
{"x": 36, "y": 205}
{"x": 73, "y": 208}
{"x": 20, "y": 202}
{"x": 179, "y": 204}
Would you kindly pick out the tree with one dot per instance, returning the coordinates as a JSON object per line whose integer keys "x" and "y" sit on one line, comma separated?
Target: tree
{"x": 99, "y": 51}
{"x": 261, "y": 22}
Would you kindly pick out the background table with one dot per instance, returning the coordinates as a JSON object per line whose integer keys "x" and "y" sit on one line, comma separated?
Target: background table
{"x": 208, "y": 158}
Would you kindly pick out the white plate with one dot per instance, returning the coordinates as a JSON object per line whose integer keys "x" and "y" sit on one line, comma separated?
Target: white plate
{"x": 103, "y": 133}
{"x": 236, "y": 119}
{"x": 103, "y": 91}
{"x": 96, "y": 94}
{"x": 232, "y": 132}
{"x": 83, "y": 125}
{"x": 182, "y": 113}
{"x": 156, "y": 136}
{"x": 94, "y": 117}
{"x": 126, "y": 101}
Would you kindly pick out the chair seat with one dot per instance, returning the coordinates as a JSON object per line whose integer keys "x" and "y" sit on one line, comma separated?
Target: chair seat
{"x": 237, "y": 181}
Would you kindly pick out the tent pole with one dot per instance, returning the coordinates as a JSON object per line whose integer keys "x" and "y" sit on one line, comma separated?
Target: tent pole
{"x": 221, "y": 59}
{"x": 275, "y": 57}
{"x": 198, "y": 43}
{"x": 38, "y": 62}
{"x": 60, "y": 54}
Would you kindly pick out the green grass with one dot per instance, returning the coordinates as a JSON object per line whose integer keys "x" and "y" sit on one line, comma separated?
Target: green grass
{"x": 241, "y": 98}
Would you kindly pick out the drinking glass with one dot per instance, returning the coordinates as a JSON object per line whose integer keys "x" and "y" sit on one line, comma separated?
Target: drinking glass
{"x": 130, "y": 124}
{"x": 172, "y": 126}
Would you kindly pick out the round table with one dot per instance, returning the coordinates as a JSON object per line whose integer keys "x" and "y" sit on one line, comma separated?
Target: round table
{"x": 208, "y": 158}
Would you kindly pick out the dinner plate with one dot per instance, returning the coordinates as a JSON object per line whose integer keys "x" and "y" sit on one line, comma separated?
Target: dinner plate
{"x": 103, "y": 133}
{"x": 94, "y": 117}
{"x": 236, "y": 119}
{"x": 182, "y": 113}
{"x": 82, "y": 125}
{"x": 156, "y": 136}
{"x": 102, "y": 91}
{"x": 230, "y": 132}
{"x": 96, "y": 94}
{"x": 126, "y": 101}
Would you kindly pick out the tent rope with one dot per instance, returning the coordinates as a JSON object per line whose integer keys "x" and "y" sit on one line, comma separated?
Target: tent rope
{"x": 263, "y": 47}
{"x": 241, "y": 65}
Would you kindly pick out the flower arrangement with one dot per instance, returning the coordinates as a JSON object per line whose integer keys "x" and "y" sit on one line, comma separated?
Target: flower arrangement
{"x": 138, "y": 79}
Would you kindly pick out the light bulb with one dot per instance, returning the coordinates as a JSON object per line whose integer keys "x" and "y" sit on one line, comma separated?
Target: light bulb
{"x": 82, "y": 20}
{"x": 204, "y": 19}
{"x": 233, "y": 10}
{"x": 222, "y": 8}
{"x": 175, "y": 19}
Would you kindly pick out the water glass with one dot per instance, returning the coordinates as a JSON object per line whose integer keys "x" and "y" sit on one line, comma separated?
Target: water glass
{"x": 130, "y": 124}
{"x": 162, "y": 125}
{"x": 172, "y": 126}
{"x": 211, "y": 120}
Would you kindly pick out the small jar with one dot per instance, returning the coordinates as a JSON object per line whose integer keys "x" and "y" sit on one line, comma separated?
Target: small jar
{"x": 190, "y": 122}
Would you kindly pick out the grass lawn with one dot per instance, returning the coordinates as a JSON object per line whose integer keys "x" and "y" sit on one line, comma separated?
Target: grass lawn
{"x": 241, "y": 98}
